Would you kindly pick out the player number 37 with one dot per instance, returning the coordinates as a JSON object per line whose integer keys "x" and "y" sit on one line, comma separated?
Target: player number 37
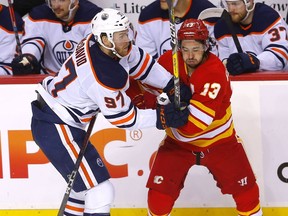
{"x": 211, "y": 89}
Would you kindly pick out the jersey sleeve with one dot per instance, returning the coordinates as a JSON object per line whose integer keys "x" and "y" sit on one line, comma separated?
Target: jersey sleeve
{"x": 275, "y": 47}
{"x": 33, "y": 41}
{"x": 146, "y": 69}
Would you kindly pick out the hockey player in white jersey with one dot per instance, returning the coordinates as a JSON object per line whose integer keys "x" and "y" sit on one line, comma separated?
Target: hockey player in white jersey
{"x": 94, "y": 78}
{"x": 52, "y": 32}
{"x": 7, "y": 39}
{"x": 262, "y": 34}
{"x": 153, "y": 30}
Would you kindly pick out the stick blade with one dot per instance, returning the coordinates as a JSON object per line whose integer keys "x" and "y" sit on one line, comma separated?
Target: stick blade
{"x": 210, "y": 13}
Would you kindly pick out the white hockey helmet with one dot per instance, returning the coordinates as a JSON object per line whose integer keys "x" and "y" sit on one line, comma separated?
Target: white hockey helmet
{"x": 246, "y": 2}
{"x": 72, "y": 6}
{"x": 109, "y": 21}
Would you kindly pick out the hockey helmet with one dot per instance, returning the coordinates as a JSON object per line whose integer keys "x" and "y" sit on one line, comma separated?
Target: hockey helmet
{"x": 109, "y": 21}
{"x": 193, "y": 29}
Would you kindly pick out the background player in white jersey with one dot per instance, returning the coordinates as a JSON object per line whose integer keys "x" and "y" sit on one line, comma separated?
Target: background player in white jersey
{"x": 153, "y": 31}
{"x": 262, "y": 34}
{"x": 52, "y": 32}
{"x": 209, "y": 138}
{"x": 94, "y": 78}
{"x": 7, "y": 39}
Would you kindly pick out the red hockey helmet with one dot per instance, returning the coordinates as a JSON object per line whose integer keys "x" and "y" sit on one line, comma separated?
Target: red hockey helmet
{"x": 193, "y": 29}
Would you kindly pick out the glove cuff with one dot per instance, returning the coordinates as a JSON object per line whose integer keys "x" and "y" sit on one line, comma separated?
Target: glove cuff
{"x": 161, "y": 121}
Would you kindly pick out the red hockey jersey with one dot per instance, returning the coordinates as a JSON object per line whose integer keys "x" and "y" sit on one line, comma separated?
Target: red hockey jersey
{"x": 210, "y": 120}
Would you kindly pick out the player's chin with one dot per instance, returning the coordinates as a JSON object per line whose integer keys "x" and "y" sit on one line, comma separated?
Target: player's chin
{"x": 192, "y": 62}
{"x": 61, "y": 16}
{"x": 125, "y": 50}
{"x": 236, "y": 18}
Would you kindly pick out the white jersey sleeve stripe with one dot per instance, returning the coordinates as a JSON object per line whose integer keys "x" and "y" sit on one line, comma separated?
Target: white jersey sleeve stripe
{"x": 124, "y": 119}
{"x": 147, "y": 59}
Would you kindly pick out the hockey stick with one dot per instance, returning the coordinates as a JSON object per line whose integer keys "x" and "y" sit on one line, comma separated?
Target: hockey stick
{"x": 223, "y": 14}
{"x": 210, "y": 12}
{"x": 174, "y": 45}
{"x": 77, "y": 165}
{"x": 13, "y": 20}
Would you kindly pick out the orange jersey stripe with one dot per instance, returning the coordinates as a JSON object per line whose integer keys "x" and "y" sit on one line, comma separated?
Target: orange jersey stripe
{"x": 75, "y": 153}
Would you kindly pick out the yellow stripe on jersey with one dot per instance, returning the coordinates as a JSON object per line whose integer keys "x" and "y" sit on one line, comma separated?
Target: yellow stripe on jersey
{"x": 202, "y": 107}
{"x": 217, "y": 130}
{"x": 200, "y": 115}
{"x": 196, "y": 122}
{"x": 256, "y": 209}
{"x": 213, "y": 126}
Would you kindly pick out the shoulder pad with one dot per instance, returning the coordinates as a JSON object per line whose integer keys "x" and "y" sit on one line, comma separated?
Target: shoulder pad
{"x": 87, "y": 10}
{"x": 153, "y": 11}
{"x": 107, "y": 70}
{"x": 5, "y": 20}
{"x": 42, "y": 12}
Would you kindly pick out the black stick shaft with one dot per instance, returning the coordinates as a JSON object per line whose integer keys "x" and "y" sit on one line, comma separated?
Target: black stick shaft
{"x": 13, "y": 20}
{"x": 77, "y": 165}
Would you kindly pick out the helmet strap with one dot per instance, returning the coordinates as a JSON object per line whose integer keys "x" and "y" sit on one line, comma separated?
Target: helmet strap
{"x": 110, "y": 38}
{"x": 248, "y": 10}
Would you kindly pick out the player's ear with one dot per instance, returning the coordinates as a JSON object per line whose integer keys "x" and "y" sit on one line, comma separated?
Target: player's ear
{"x": 105, "y": 40}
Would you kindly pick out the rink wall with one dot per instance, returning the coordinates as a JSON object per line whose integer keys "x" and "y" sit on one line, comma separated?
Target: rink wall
{"x": 29, "y": 185}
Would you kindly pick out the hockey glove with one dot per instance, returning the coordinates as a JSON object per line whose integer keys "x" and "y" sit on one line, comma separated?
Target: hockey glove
{"x": 239, "y": 63}
{"x": 169, "y": 116}
{"x": 25, "y": 64}
{"x": 185, "y": 91}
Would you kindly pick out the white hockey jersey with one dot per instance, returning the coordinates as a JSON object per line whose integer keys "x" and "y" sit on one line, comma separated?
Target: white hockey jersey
{"x": 266, "y": 37}
{"x": 7, "y": 39}
{"x": 52, "y": 41}
{"x": 90, "y": 80}
{"x": 153, "y": 29}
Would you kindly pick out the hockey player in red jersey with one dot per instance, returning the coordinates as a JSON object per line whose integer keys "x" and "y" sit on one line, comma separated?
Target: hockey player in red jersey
{"x": 209, "y": 138}
{"x": 263, "y": 40}
{"x": 95, "y": 78}
{"x": 52, "y": 32}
